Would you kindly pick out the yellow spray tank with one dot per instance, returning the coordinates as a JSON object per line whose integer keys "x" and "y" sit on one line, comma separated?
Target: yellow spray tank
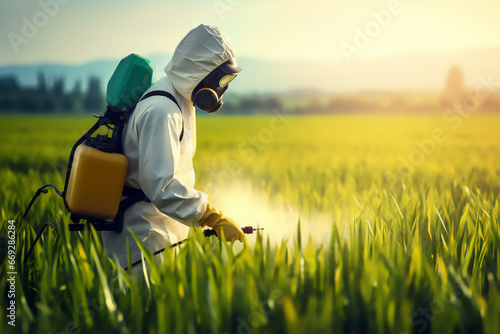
{"x": 97, "y": 168}
{"x": 96, "y": 182}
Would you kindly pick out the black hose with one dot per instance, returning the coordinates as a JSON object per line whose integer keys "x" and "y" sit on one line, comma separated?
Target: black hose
{"x": 44, "y": 226}
{"x": 38, "y": 193}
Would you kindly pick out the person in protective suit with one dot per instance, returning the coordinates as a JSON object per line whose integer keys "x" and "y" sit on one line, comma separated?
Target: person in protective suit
{"x": 160, "y": 141}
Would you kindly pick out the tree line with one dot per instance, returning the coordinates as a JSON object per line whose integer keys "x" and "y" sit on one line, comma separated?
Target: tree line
{"x": 50, "y": 98}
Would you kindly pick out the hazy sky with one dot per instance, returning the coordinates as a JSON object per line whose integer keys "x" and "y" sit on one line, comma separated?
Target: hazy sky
{"x": 76, "y": 31}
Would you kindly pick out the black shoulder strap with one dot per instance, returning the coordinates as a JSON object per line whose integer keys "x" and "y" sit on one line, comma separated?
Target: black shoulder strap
{"x": 169, "y": 96}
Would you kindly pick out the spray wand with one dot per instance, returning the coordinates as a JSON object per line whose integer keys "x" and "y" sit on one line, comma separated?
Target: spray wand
{"x": 207, "y": 233}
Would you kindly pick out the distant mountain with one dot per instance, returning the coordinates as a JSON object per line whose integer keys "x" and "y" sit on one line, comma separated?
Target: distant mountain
{"x": 413, "y": 71}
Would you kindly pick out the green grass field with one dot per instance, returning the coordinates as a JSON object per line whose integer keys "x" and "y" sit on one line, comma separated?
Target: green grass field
{"x": 399, "y": 218}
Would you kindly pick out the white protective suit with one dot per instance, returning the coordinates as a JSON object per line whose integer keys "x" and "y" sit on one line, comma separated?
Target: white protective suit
{"x": 158, "y": 163}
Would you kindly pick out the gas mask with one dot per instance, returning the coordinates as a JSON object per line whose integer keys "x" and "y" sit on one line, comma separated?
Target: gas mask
{"x": 208, "y": 93}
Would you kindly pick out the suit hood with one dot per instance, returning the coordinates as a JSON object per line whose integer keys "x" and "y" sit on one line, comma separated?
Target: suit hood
{"x": 201, "y": 51}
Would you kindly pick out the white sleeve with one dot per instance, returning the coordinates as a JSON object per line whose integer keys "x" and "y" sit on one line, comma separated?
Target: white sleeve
{"x": 159, "y": 152}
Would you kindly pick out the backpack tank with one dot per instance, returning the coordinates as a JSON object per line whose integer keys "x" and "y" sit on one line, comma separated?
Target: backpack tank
{"x": 98, "y": 169}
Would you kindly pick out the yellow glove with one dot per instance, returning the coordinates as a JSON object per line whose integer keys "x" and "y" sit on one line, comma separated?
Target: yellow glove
{"x": 215, "y": 219}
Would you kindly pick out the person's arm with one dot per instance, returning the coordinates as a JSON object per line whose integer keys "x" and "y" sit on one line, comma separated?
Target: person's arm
{"x": 159, "y": 153}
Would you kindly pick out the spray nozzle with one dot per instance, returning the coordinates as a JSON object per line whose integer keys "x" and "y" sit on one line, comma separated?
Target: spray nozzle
{"x": 250, "y": 229}
{"x": 246, "y": 230}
